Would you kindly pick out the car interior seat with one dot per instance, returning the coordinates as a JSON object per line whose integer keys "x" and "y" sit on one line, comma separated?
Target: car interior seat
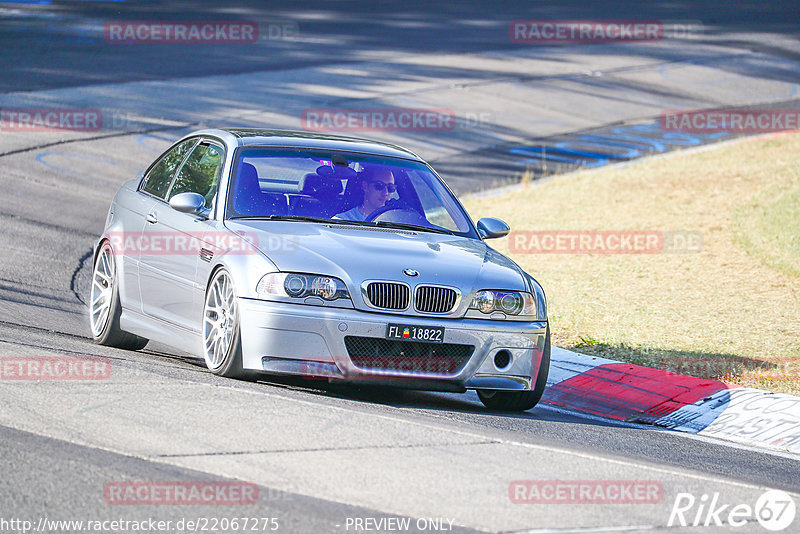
{"x": 320, "y": 198}
{"x": 249, "y": 199}
{"x": 353, "y": 194}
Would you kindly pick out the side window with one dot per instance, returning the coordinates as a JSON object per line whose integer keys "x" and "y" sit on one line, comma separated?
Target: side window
{"x": 160, "y": 176}
{"x": 200, "y": 173}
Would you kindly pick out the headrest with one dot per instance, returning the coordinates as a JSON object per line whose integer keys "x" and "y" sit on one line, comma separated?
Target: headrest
{"x": 340, "y": 173}
{"x": 315, "y": 185}
{"x": 248, "y": 178}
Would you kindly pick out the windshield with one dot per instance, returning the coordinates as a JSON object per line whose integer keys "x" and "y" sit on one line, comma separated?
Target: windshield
{"x": 307, "y": 185}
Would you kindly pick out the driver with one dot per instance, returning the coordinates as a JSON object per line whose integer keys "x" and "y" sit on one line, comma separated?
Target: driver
{"x": 377, "y": 186}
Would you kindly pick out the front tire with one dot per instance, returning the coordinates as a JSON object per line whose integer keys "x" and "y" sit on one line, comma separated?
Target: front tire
{"x": 104, "y": 305}
{"x": 520, "y": 401}
{"x": 222, "y": 345}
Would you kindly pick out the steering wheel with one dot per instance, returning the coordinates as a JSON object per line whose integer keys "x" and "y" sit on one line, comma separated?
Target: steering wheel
{"x": 405, "y": 215}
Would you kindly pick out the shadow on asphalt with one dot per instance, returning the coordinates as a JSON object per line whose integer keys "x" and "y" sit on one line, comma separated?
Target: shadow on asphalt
{"x": 433, "y": 401}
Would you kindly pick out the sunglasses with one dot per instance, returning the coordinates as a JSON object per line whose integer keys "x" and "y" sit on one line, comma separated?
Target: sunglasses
{"x": 380, "y": 186}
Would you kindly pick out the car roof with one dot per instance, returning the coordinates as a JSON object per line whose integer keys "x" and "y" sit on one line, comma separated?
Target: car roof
{"x": 255, "y": 137}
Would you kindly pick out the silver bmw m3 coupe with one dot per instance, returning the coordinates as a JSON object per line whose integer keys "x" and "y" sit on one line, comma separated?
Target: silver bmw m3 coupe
{"x": 278, "y": 252}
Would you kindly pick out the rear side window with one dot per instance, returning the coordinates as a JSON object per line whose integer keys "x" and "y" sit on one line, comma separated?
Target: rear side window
{"x": 160, "y": 176}
{"x": 200, "y": 173}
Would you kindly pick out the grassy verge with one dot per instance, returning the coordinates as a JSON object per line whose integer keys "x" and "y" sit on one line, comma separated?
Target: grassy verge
{"x": 726, "y": 309}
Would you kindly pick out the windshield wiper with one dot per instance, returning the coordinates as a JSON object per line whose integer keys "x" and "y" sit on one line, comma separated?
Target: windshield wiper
{"x": 304, "y": 218}
{"x": 419, "y": 227}
{"x": 301, "y": 218}
{"x": 278, "y": 218}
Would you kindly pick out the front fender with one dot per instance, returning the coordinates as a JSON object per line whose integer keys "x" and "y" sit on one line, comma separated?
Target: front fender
{"x": 246, "y": 267}
{"x": 541, "y": 300}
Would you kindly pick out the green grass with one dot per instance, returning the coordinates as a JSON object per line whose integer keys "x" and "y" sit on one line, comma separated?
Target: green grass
{"x": 730, "y": 310}
{"x": 769, "y": 226}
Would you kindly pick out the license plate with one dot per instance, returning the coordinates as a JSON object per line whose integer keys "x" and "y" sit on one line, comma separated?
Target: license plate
{"x": 426, "y": 334}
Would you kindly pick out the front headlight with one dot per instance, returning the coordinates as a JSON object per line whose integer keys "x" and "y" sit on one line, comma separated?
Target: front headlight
{"x": 300, "y": 286}
{"x": 513, "y": 304}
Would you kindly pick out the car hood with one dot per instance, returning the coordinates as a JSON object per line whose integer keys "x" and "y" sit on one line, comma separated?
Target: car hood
{"x": 355, "y": 254}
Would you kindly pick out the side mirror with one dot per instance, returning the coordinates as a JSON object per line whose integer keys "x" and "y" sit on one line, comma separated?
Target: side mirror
{"x": 489, "y": 227}
{"x": 191, "y": 203}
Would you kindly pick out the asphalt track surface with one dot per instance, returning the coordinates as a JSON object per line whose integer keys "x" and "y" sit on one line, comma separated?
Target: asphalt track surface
{"x": 320, "y": 454}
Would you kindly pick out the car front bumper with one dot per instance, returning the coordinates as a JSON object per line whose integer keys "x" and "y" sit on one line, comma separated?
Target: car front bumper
{"x": 299, "y": 339}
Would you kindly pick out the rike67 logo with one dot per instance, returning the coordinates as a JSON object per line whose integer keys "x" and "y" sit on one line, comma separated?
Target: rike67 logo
{"x": 774, "y": 510}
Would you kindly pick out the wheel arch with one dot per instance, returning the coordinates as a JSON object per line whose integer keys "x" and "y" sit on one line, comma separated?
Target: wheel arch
{"x": 244, "y": 269}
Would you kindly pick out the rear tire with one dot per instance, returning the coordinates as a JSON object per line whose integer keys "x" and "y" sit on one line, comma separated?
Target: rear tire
{"x": 104, "y": 305}
{"x": 520, "y": 401}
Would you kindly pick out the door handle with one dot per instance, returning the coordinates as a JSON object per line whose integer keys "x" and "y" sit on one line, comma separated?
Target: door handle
{"x": 151, "y": 218}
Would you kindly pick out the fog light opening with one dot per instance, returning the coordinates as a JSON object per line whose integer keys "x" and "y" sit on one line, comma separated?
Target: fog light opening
{"x": 502, "y": 359}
